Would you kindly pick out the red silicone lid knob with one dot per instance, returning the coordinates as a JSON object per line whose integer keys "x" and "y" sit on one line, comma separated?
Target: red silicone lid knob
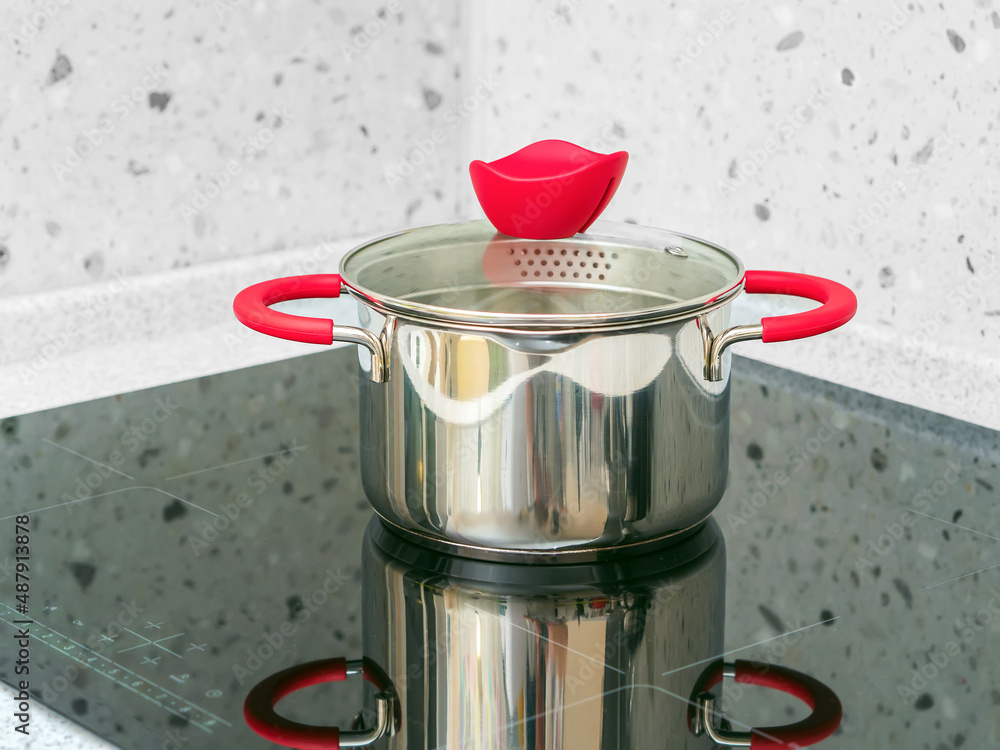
{"x": 548, "y": 190}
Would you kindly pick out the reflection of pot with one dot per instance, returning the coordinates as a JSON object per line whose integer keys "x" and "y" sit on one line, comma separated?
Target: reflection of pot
{"x": 494, "y": 655}
{"x": 544, "y": 394}
{"x": 585, "y": 655}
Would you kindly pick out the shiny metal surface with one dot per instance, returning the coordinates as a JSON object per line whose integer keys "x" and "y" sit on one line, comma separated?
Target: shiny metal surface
{"x": 720, "y": 343}
{"x": 614, "y": 275}
{"x": 705, "y": 710}
{"x": 385, "y": 706}
{"x": 590, "y": 657}
{"x": 573, "y": 556}
{"x": 375, "y": 344}
{"x": 547, "y": 441}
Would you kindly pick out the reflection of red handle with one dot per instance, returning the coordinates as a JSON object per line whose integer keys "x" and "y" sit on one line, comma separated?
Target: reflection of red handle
{"x": 824, "y": 720}
{"x": 258, "y": 709}
{"x": 839, "y": 304}
{"x": 252, "y": 307}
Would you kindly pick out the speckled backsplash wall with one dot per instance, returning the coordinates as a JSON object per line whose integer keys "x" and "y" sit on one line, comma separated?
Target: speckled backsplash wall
{"x": 851, "y": 139}
{"x": 138, "y": 137}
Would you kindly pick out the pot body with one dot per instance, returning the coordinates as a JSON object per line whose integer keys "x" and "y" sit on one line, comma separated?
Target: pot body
{"x": 545, "y": 441}
{"x": 497, "y": 656}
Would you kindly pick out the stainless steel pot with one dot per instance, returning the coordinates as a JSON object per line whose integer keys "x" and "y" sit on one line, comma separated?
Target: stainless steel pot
{"x": 544, "y": 395}
{"x": 467, "y": 654}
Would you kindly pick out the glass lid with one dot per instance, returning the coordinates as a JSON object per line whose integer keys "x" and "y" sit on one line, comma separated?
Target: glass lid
{"x": 614, "y": 274}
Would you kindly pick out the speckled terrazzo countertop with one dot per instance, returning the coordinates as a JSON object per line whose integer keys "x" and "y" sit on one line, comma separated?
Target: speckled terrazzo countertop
{"x": 136, "y": 332}
{"x": 50, "y": 731}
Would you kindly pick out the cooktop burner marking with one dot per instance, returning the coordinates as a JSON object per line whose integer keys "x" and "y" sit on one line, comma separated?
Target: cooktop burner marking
{"x": 148, "y": 642}
{"x": 963, "y": 528}
{"x": 168, "y": 638}
{"x": 87, "y": 458}
{"x": 612, "y": 691}
{"x": 959, "y": 578}
{"x": 957, "y": 526}
{"x": 141, "y": 686}
{"x": 105, "y": 494}
{"x": 744, "y": 648}
{"x": 290, "y": 449}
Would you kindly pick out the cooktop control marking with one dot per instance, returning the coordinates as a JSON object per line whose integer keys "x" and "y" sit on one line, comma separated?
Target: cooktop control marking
{"x": 147, "y": 642}
{"x": 141, "y": 686}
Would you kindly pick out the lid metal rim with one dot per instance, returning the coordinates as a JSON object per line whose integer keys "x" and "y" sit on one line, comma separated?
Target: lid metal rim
{"x": 541, "y": 325}
{"x": 517, "y": 322}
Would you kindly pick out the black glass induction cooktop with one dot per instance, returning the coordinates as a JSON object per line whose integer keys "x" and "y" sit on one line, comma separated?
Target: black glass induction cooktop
{"x": 184, "y": 542}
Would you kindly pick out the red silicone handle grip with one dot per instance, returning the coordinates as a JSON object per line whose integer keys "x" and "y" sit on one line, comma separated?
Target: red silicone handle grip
{"x": 258, "y": 709}
{"x": 820, "y": 724}
{"x": 252, "y": 307}
{"x": 838, "y": 304}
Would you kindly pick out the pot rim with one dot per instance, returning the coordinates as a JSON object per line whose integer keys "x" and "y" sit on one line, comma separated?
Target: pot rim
{"x": 519, "y": 323}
